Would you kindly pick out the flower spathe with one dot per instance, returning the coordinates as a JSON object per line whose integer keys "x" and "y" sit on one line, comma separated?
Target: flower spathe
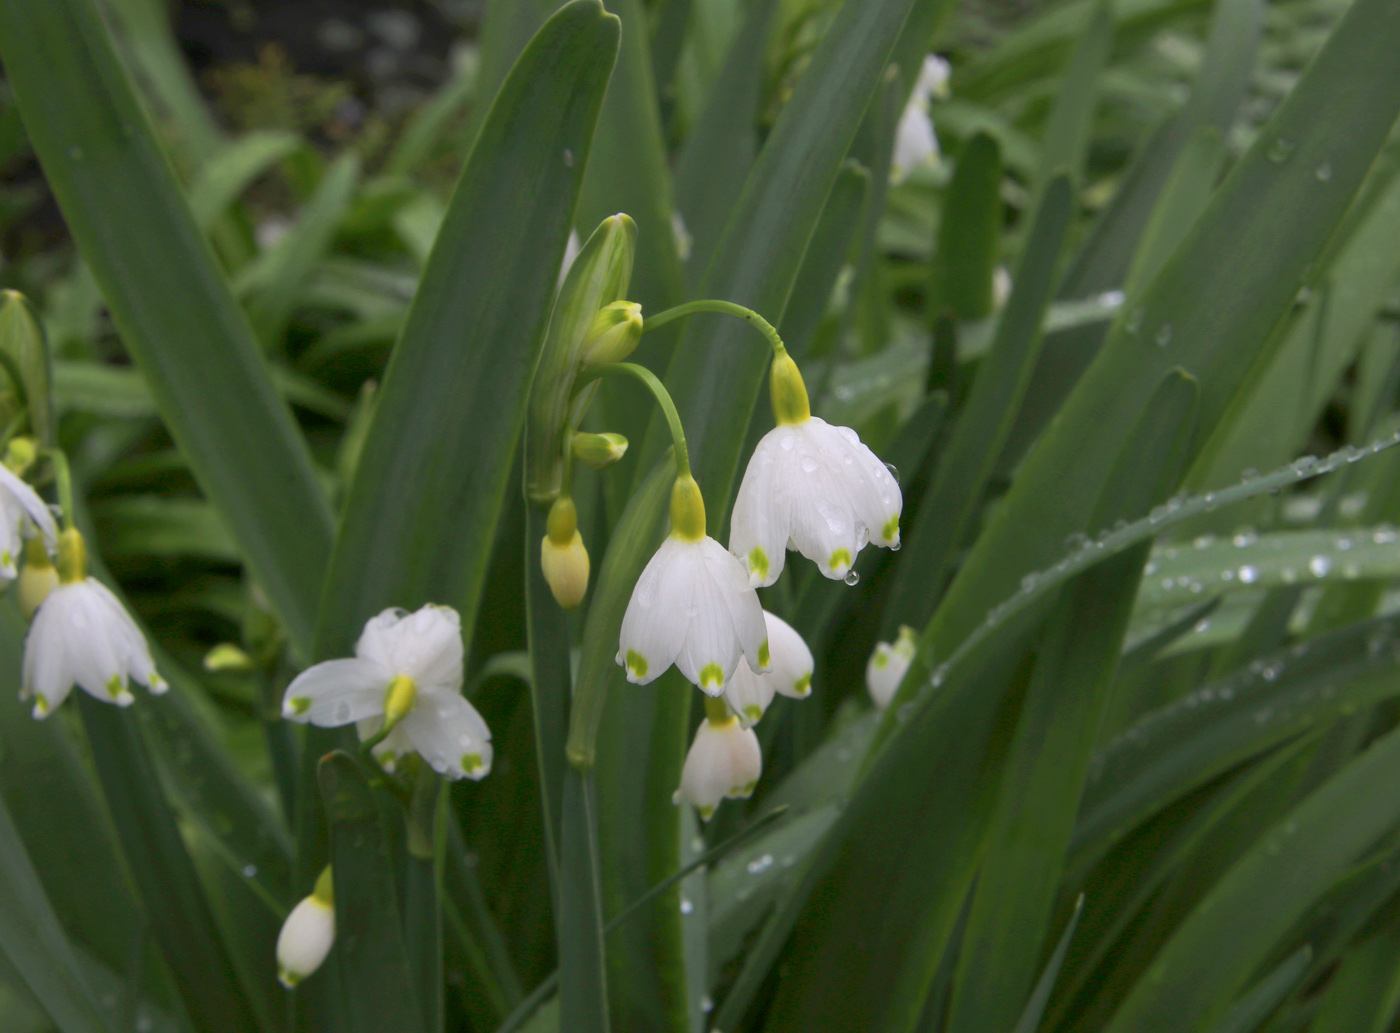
{"x": 21, "y": 511}
{"x": 82, "y": 635}
{"x": 749, "y": 694}
{"x": 888, "y": 665}
{"x": 307, "y": 934}
{"x": 811, "y": 487}
{"x": 692, "y": 606}
{"x": 724, "y": 761}
{"x": 407, "y": 667}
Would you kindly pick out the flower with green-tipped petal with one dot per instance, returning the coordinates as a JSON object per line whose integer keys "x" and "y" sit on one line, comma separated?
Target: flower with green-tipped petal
{"x": 749, "y": 694}
{"x": 887, "y": 666}
{"x": 407, "y": 670}
{"x": 724, "y": 761}
{"x": 307, "y": 934}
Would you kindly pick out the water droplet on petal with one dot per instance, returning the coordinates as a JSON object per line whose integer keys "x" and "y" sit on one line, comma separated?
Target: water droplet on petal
{"x": 787, "y": 441}
{"x": 809, "y": 464}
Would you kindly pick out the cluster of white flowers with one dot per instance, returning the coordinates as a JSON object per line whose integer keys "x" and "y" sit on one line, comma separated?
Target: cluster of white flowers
{"x": 914, "y": 141}
{"x": 809, "y": 487}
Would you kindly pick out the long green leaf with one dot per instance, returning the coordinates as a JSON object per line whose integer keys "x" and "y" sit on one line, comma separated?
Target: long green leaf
{"x": 422, "y": 513}
{"x": 163, "y": 871}
{"x": 1213, "y": 952}
{"x": 171, "y": 305}
{"x": 370, "y": 947}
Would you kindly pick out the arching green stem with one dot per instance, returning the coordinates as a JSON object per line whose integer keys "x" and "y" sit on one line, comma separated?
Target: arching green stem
{"x": 65, "y": 484}
{"x": 658, "y": 390}
{"x": 727, "y": 308}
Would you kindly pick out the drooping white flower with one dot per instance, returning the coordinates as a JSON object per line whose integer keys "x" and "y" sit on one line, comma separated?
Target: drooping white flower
{"x": 724, "y": 761}
{"x": 749, "y": 694}
{"x": 692, "y": 606}
{"x": 22, "y": 514}
{"x": 814, "y": 488}
{"x": 915, "y": 143}
{"x": 82, "y": 635}
{"x": 407, "y": 667}
{"x": 887, "y": 666}
{"x": 307, "y": 934}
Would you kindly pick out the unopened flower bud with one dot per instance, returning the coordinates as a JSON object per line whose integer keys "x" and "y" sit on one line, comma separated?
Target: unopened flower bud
{"x": 307, "y": 934}
{"x": 887, "y": 666}
{"x": 227, "y": 657}
{"x": 37, "y": 578}
{"x": 614, "y": 334}
{"x": 563, "y": 558}
{"x": 20, "y": 454}
{"x": 599, "y": 450}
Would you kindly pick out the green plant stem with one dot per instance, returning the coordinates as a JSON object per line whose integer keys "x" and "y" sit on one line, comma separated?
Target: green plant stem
{"x": 727, "y": 308}
{"x": 64, "y": 479}
{"x": 658, "y": 390}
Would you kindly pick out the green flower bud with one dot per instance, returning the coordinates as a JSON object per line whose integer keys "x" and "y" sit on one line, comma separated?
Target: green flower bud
{"x": 599, "y": 450}
{"x": 227, "y": 657}
{"x": 614, "y": 334}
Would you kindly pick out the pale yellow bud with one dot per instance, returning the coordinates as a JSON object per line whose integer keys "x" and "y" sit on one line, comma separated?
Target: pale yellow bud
{"x": 37, "y": 578}
{"x": 614, "y": 334}
{"x": 566, "y": 569}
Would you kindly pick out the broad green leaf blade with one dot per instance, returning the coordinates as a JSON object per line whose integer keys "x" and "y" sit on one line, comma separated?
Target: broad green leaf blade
{"x": 369, "y": 933}
{"x": 583, "y": 972}
{"x": 1364, "y": 993}
{"x": 233, "y": 168}
{"x": 33, "y": 941}
{"x": 1214, "y": 951}
{"x": 1072, "y": 118}
{"x": 1253, "y": 1008}
{"x": 172, "y": 307}
{"x": 1011, "y": 909}
{"x": 1029, "y": 1021}
{"x": 826, "y": 256}
{"x": 966, "y": 462}
{"x": 421, "y": 515}
{"x": 969, "y": 234}
{"x": 1178, "y": 748}
{"x": 164, "y": 874}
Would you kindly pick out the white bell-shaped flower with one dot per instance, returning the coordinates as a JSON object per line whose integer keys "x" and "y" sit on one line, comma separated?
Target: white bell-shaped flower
{"x": 22, "y": 514}
{"x": 811, "y": 487}
{"x": 724, "y": 761}
{"x": 749, "y": 694}
{"x": 692, "y": 606}
{"x": 407, "y": 668}
{"x": 915, "y": 143}
{"x": 887, "y": 666}
{"x": 82, "y": 635}
{"x": 307, "y": 934}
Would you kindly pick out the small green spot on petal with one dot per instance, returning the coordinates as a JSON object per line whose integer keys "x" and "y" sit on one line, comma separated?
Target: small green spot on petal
{"x": 116, "y": 685}
{"x": 882, "y": 659}
{"x": 744, "y": 792}
{"x": 758, "y": 562}
{"x": 753, "y": 711}
{"x": 840, "y": 560}
{"x": 711, "y": 675}
{"x": 891, "y": 529}
{"x": 706, "y": 813}
{"x": 299, "y": 704}
{"x": 287, "y": 977}
{"x": 41, "y": 706}
{"x": 471, "y": 763}
{"x": 7, "y": 559}
{"x": 636, "y": 664}
{"x": 803, "y": 685}
{"x": 765, "y": 658}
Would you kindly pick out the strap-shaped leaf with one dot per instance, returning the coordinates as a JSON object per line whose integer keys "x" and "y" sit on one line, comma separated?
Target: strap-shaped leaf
{"x": 422, "y": 513}
{"x": 170, "y": 302}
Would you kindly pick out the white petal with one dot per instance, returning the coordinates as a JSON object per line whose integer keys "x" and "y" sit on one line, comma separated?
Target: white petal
{"x": 758, "y": 526}
{"x": 883, "y": 673}
{"x": 712, "y": 648}
{"x": 748, "y": 695}
{"x": 450, "y": 735}
{"x": 46, "y": 674}
{"x": 336, "y": 692}
{"x": 127, "y": 640}
{"x": 745, "y": 763}
{"x": 655, "y": 625}
{"x": 792, "y": 664}
{"x": 823, "y": 525}
{"x": 871, "y": 487}
{"x": 914, "y": 142}
{"x": 426, "y": 645}
{"x": 305, "y": 940}
{"x": 392, "y": 748}
{"x": 707, "y": 776}
{"x": 745, "y": 611}
{"x": 29, "y": 500}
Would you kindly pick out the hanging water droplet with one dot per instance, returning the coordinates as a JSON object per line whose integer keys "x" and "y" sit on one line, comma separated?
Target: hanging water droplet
{"x": 1280, "y": 150}
{"x": 896, "y": 546}
{"x": 894, "y": 471}
{"x": 851, "y": 578}
{"x": 1164, "y": 335}
{"x": 1323, "y": 172}
{"x": 1319, "y": 566}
